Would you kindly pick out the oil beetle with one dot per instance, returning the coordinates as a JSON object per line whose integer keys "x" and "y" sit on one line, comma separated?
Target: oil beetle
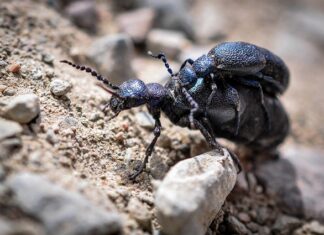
{"x": 237, "y": 62}
{"x": 214, "y": 114}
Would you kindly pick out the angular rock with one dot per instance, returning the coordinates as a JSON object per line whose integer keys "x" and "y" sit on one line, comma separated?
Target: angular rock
{"x": 60, "y": 87}
{"x": 193, "y": 191}
{"x": 22, "y": 108}
{"x": 60, "y": 211}
{"x": 145, "y": 120}
{"x": 236, "y": 227}
{"x": 136, "y": 23}
{"x": 285, "y": 225}
{"x": 84, "y": 15}
{"x": 296, "y": 180}
{"x": 169, "y": 42}
{"x": 9, "y": 129}
{"x": 140, "y": 213}
{"x": 172, "y": 15}
{"x": 112, "y": 55}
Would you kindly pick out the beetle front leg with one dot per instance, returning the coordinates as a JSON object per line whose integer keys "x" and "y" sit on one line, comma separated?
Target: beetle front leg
{"x": 189, "y": 61}
{"x": 149, "y": 150}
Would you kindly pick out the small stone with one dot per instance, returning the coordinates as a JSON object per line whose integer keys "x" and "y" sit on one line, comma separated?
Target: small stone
{"x": 170, "y": 42}
{"x": 95, "y": 117}
{"x": 14, "y": 68}
{"x": 136, "y": 23}
{"x": 48, "y": 58}
{"x": 236, "y": 227}
{"x": 244, "y": 217}
{"x": 314, "y": 228}
{"x": 61, "y": 211}
{"x": 145, "y": 120}
{"x": 23, "y": 108}
{"x": 36, "y": 74}
{"x": 83, "y": 14}
{"x": 285, "y": 225}
{"x": 51, "y": 137}
{"x": 2, "y": 88}
{"x": 140, "y": 213}
{"x": 9, "y": 91}
{"x": 193, "y": 191}
{"x": 112, "y": 55}
{"x": 9, "y": 129}
{"x": 3, "y": 63}
{"x": 60, "y": 87}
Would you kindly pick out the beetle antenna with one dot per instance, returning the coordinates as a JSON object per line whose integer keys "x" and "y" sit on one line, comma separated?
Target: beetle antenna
{"x": 161, "y": 56}
{"x": 92, "y": 72}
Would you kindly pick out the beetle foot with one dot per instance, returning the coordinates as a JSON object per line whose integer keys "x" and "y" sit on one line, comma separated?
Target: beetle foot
{"x": 137, "y": 172}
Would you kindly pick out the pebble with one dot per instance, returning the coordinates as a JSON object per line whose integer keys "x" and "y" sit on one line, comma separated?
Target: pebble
{"x": 48, "y": 59}
{"x": 236, "y": 227}
{"x": 9, "y": 91}
{"x": 23, "y": 108}
{"x": 296, "y": 180}
{"x": 170, "y": 42}
{"x": 61, "y": 211}
{"x": 144, "y": 119}
{"x": 311, "y": 228}
{"x": 3, "y": 63}
{"x": 193, "y": 192}
{"x": 140, "y": 213}
{"x": 84, "y": 15}
{"x": 112, "y": 55}
{"x": 173, "y": 15}
{"x": 36, "y": 74}
{"x": 285, "y": 225}
{"x": 51, "y": 137}
{"x": 9, "y": 129}
{"x": 244, "y": 217}
{"x": 60, "y": 87}
{"x": 14, "y": 68}
{"x": 136, "y": 23}
{"x": 2, "y": 88}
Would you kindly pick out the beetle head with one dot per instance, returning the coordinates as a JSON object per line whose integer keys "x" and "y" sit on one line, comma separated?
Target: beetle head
{"x": 203, "y": 66}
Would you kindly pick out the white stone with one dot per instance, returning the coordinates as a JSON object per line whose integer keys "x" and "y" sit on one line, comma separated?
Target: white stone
{"x": 193, "y": 192}
{"x": 60, "y": 87}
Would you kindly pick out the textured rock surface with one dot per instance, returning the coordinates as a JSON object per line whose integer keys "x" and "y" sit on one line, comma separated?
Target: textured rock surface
{"x": 22, "y": 108}
{"x": 193, "y": 192}
{"x": 296, "y": 179}
{"x": 60, "y": 211}
{"x": 9, "y": 129}
{"x": 60, "y": 87}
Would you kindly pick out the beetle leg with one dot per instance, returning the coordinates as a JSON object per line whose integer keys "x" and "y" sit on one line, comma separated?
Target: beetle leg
{"x": 149, "y": 149}
{"x": 211, "y": 139}
{"x": 271, "y": 81}
{"x": 256, "y": 84}
{"x": 194, "y": 107}
{"x": 189, "y": 61}
{"x": 232, "y": 95}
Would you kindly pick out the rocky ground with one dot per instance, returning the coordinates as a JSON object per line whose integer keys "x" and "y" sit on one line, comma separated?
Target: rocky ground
{"x": 64, "y": 164}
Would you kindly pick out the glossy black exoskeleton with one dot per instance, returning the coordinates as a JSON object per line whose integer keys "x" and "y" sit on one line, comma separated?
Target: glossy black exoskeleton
{"x": 237, "y": 63}
{"x": 214, "y": 115}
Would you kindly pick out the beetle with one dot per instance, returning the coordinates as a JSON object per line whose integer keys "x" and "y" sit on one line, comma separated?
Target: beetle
{"x": 237, "y": 62}
{"x": 214, "y": 115}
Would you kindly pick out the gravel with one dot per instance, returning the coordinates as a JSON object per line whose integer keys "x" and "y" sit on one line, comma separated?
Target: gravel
{"x": 60, "y": 87}
{"x": 60, "y": 211}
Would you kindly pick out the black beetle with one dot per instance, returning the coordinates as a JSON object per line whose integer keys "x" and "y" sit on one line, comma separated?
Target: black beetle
{"x": 214, "y": 114}
{"x": 237, "y": 62}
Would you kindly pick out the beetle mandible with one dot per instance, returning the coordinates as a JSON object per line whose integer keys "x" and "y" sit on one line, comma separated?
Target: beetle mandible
{"x": 214, "y": 115}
